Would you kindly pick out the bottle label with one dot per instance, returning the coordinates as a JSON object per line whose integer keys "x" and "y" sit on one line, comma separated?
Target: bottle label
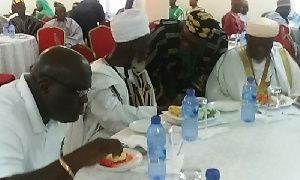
{"x": 157, "y": 153}
{"x": 249, "y": 97}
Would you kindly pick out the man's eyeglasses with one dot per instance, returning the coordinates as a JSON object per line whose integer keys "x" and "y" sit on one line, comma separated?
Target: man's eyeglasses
{"x": 81, "y": 93}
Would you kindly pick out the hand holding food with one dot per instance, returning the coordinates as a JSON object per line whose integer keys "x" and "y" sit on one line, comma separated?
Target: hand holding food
{"x": 112, "y": 161}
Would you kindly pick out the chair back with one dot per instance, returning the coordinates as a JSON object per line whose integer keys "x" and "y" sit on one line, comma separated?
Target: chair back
{"x": 285, "y": 39}
{"x": 85, "y": 51}
{"x": 6, "y": 78}
{"x": 101, "y": 41}
{"x": 106, "y": 23}
{"x": 50, "y": 36}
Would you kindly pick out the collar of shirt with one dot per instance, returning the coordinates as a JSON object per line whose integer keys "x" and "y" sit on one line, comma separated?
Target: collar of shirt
{"x": 32, "y": 110}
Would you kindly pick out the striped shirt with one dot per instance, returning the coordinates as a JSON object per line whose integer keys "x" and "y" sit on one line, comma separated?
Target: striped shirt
{"x": 29, "y": 25}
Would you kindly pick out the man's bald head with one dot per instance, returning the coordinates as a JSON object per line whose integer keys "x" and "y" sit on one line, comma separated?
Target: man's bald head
{"x": 61, "y": 76}
{"x": 62, "y": 63}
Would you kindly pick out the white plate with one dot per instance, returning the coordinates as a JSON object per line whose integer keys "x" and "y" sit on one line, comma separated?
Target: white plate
{"x": 136, "y": 161}
{"x": 287, "y": 102}
{"x": 140, "y": 126}
{"x": 177, "y": 121}
{"x": 296, "y": 102}
{"x": 225, "y": 106}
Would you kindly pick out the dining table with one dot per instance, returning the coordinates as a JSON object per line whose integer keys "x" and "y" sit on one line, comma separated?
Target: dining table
{"x": 17, "y": 54}
{"x": 268, "y": 149}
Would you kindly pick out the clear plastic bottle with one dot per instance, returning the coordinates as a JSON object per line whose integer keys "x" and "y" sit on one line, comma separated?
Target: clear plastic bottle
{"x": 249, "y": 101}
{"x": 156, "y": 141}
{"x": 11, "y": 31}
{"x": 190, "y": 109}
{"x": 5, "y": 29}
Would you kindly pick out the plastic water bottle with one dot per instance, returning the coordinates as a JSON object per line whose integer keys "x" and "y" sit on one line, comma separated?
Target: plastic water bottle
{"x": 156, "y": 141}
{"x": 190, "y": 109}
{"x": 11, "y": 31}
{"x": 212, "y": 174}
{"x": 249, "y": 101}
{"x": 243, "y": 40}
{"x": 5, "y": 29}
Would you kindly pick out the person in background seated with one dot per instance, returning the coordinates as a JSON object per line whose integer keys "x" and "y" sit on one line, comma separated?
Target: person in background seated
{"x": 72, "y": 30}
{"x": 75, "y": 4}
{"x": 128, "y": 5}
{"x": 88, "y": 14}
{"x": 43, "y": 10}
{"x": 194, "y": 6}
{"x": 175, "y": 12}
{"x": 182, "y": 55}
{"x": 282, "y": 12}
{"x": 13, "y": 13}
{"x": 231, "y": 22}
{"x": 24, "y": 23}
{"x": 2, "y": 21}
{"x": 243, "y": 15}
{"x": 121, "y": 88}
{"x": 269, "y": 65}
{"x": 34, "y": 110}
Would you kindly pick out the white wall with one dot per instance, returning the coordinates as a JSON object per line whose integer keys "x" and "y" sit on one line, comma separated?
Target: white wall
{"x": 218, "y": 8}
{"x": 159, "y": 8}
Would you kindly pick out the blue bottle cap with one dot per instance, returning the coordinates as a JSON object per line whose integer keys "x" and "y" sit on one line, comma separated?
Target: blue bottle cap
{"x": 212, "y": 174}
{"x": 250, "y": 79}
{"x": 190, "y": 92}
{"x": 155, "y": 120}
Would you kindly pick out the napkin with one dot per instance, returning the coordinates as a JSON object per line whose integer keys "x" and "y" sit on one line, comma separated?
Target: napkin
{"x": 134, "y": 141}
{"x": 173, "y": 165}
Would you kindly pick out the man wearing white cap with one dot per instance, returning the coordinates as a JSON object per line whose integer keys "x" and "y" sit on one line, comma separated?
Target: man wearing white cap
{"x": 282, "y": 12}
{"x": 121, "y": 88}
{"x": 269, "y": 64}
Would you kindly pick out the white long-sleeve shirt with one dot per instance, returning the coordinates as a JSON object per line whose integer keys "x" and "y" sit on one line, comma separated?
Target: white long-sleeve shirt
{"x": 72, "y": 30}
{"x": 104, "y": 105}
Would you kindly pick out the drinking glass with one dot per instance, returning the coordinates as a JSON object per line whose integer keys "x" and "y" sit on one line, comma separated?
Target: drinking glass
{"x": 190, "y": 174}
{"x": 274, "y": 96}
{"x": 170, "y": 141}
{"x": 203, "y": 106}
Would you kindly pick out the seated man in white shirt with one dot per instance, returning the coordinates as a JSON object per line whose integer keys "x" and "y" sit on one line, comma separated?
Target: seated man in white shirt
{"x": 269, "y": 65}
{"x": 72, "y": 30}
{"x": 33, "y": 111}
{"x": 121, "y": 88}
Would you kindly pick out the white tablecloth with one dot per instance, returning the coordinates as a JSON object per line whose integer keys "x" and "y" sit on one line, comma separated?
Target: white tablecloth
{"x": 17, "y": 55}
{"x": 258, "y": 151}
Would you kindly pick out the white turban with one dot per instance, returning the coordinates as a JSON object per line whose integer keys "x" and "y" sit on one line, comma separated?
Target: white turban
{"x": 263, "y": 27}
{"x": 129, "y": 25}
{"x": 281, "y": 3}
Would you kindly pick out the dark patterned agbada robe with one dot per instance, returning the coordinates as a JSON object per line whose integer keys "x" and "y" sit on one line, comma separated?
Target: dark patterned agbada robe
{"x": 29, "y": 25}
{"x": 171, "y": 73}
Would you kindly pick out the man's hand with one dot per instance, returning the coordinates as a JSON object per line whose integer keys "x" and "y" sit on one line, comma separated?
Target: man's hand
{"x": 103, "y": 147}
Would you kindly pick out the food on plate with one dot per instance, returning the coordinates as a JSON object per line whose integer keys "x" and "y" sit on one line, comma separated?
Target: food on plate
{"x": 262, "y": 99}
{"x": 111, "y": 162}
{"x": 211, "y": 113}
{"x": 175, "y": 110}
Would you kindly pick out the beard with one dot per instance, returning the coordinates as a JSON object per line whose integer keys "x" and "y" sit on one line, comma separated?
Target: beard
{"x": 138, "y": 66}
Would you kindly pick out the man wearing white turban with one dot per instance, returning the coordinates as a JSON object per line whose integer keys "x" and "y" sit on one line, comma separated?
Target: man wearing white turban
{"x": 268, "y": 63}
{"x": 282, "y": 12}
{"x": 121, "y": 88}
